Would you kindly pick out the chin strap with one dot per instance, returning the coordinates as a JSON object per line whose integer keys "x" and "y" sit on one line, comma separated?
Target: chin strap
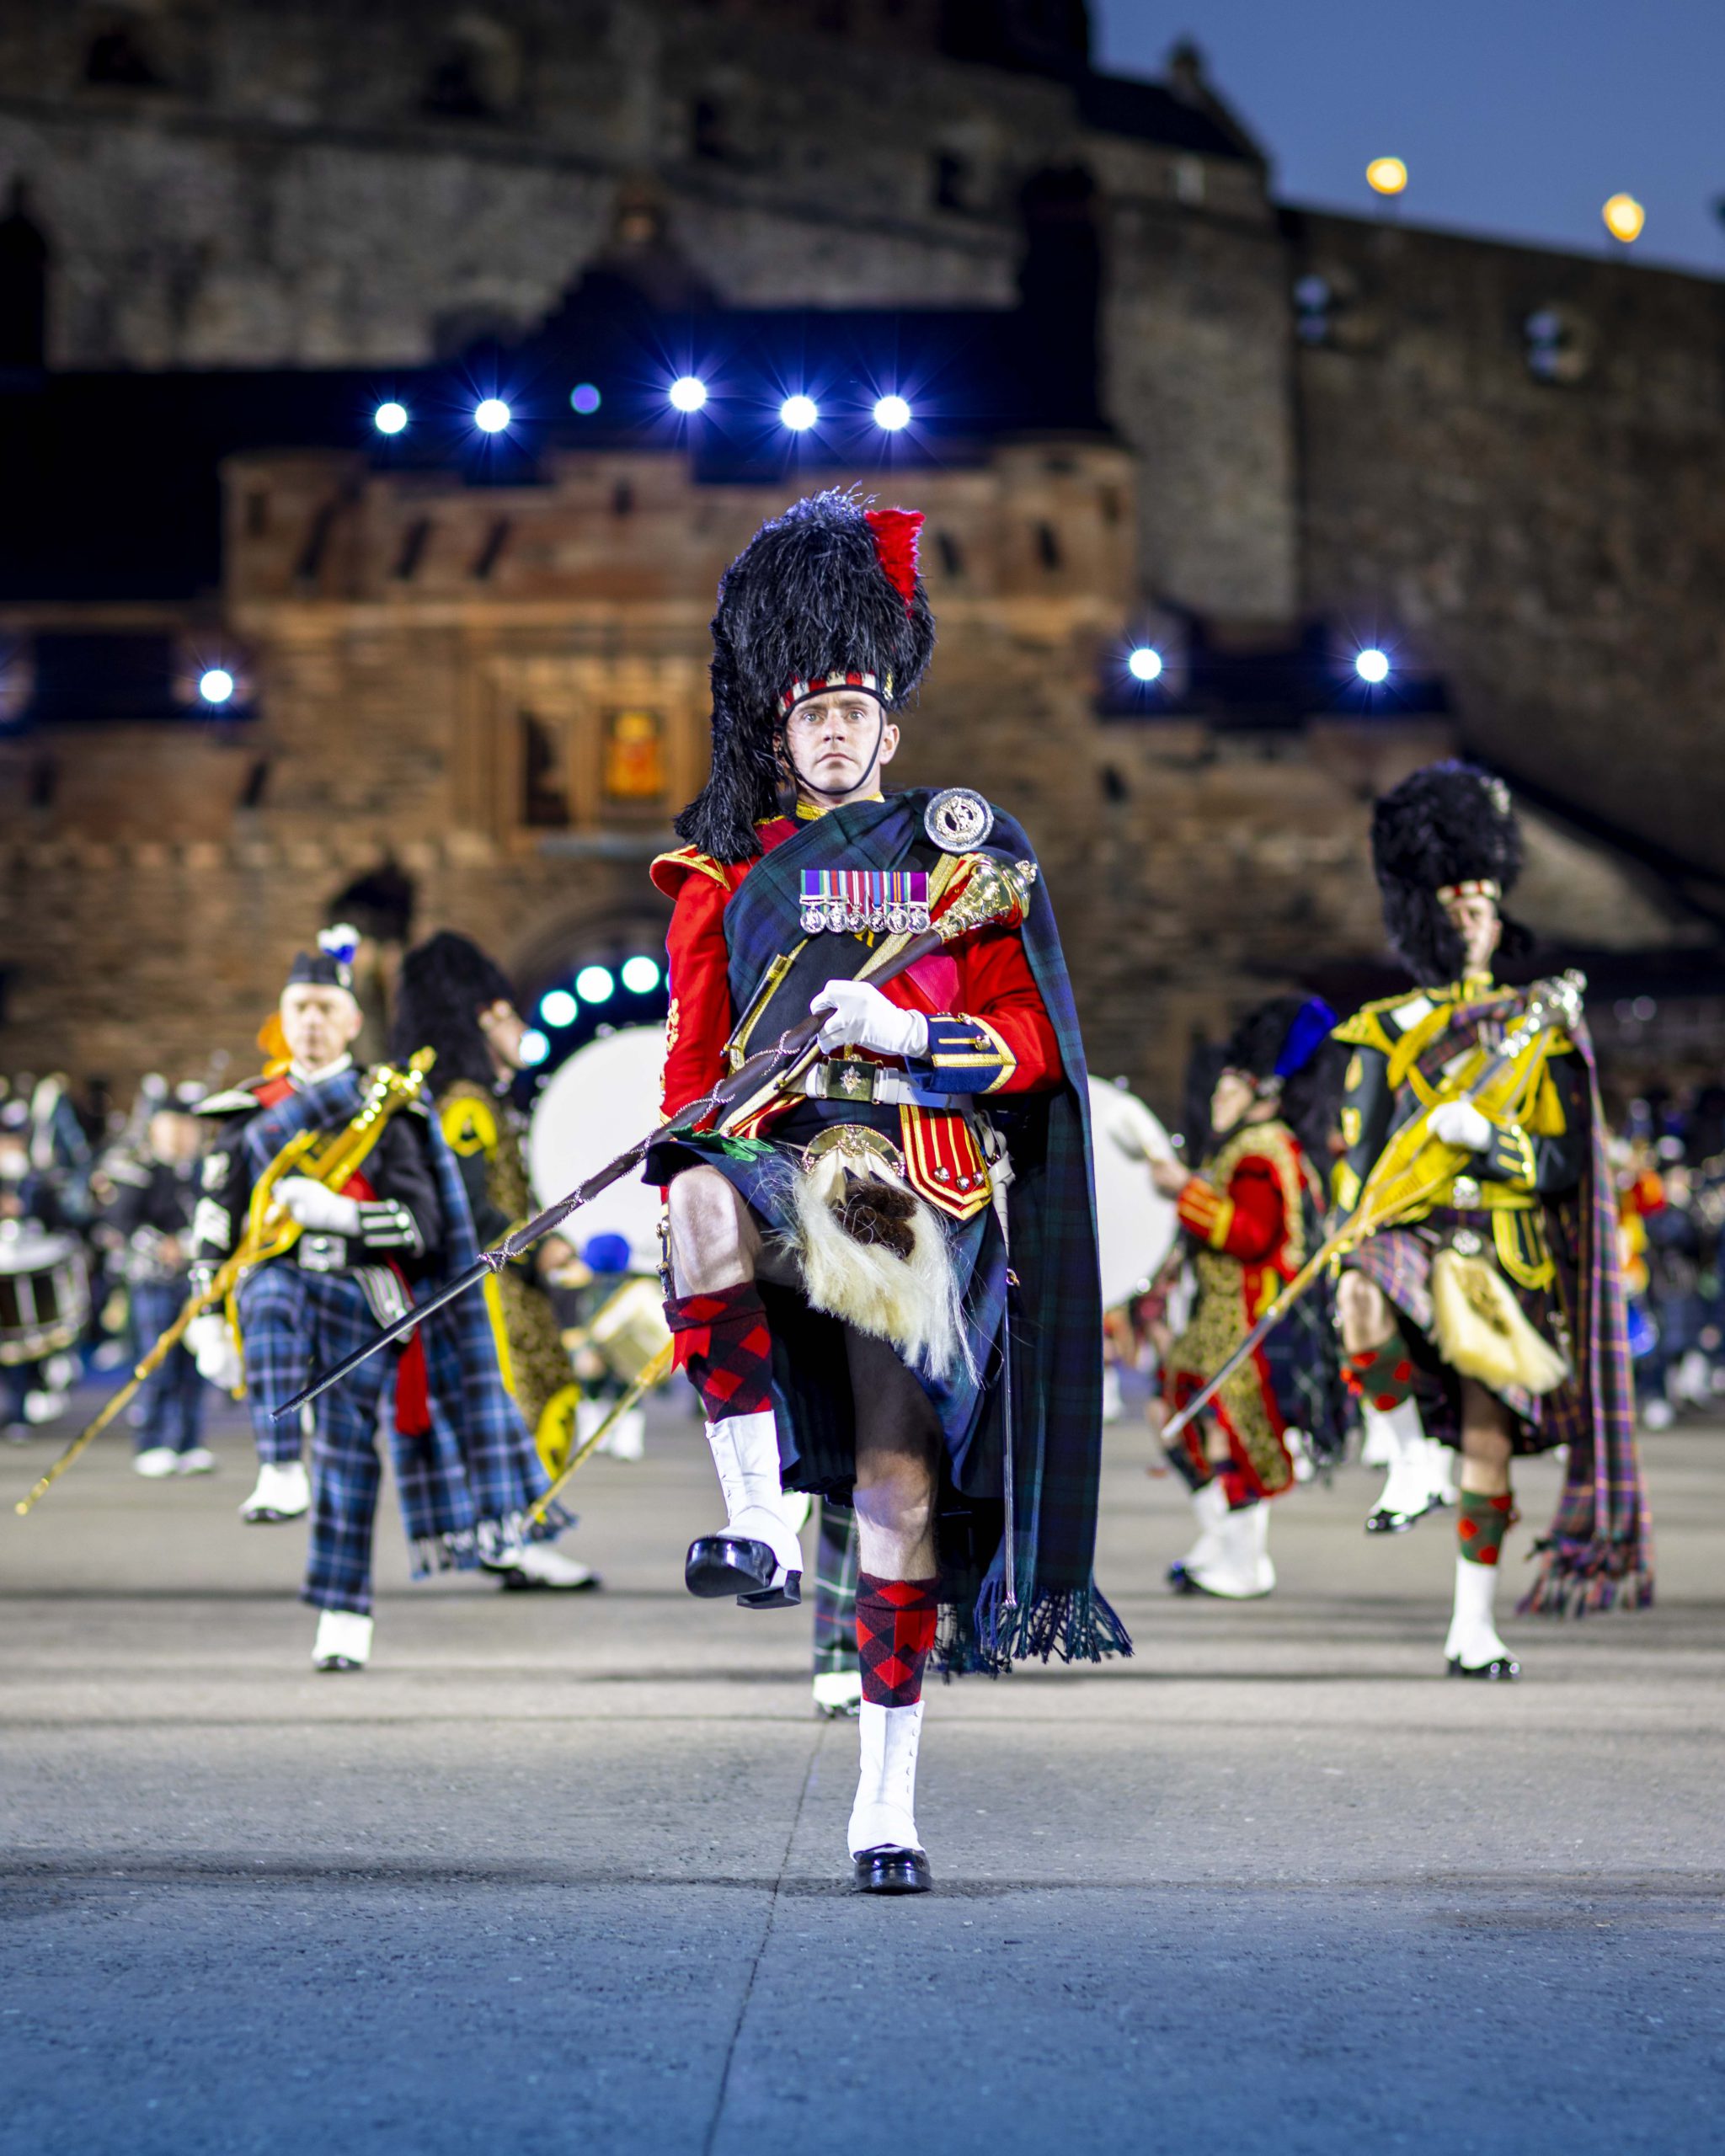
{"x": 835, "y": 793}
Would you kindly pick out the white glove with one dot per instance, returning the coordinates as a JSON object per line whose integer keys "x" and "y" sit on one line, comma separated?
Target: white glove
{"x": 862, "y": 1017}
{"x": 324, "y": 1211}
{"x": 1460, "y": 1123}
{"x": 213, "y": 1350}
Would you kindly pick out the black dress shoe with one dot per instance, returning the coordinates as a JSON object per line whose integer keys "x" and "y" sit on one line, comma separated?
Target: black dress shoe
{"x": 718, "y": 1565}
{"x": 890, "y": 1870}
{"x": 1501, "y": 1669}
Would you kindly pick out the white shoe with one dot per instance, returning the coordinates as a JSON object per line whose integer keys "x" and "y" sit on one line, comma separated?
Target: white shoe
{"x": 155, "y": 1461}
{"x": 1239, "y": 1568}
{"x": 39, "y": 1407}
{"x": 284, "y": 1491}
{"x": 1473, "y": 1648}
{"x": 343, "y": 1640}
{"x": 757, "y": 1559}
{"x": 1210, "y": 1506}
{"x": 885, "y": 1814}
{"x": 1658, "y": 1414}
{"x": 1418, "y": 1482}
{"x": 200, "y": 1460}
{"x": 838, "y": 1693}
{"x": 539, "y": 1564}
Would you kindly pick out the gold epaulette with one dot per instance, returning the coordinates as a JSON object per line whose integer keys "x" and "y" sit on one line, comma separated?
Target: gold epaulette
{"x": 668, "y": 872}
{"x": 1380, "y": 1024}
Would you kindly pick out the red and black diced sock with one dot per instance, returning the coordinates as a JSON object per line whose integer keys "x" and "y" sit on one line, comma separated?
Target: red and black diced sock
{"x": 723, "y": 1342}
{"x": 1383, "y": 1376}
{"x": 895, "y": 1633}
{"x": 1482, "y": 1524}
{"x": 1238, "y": 1492}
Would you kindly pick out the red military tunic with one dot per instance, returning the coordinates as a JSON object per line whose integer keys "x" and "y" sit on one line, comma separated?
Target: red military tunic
{"x": 988, "y": 1031}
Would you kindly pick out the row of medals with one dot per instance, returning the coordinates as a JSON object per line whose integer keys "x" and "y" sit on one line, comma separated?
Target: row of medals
{"x": 834, "y": 917}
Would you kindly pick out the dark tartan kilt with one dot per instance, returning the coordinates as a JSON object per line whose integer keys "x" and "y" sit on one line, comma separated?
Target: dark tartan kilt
{"x": 1398, "y": 1261}
{"x": 811, "y": 1378}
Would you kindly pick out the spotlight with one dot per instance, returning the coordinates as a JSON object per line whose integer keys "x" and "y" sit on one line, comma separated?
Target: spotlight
{"x": 559, "y": 1008}
{"x": 1371, "y": 665}
{"x": 892, "y": 413}
{"x": 640, "y": 975}
{"x": 491, "y": 416}
{"x": 535, "y": 1047}
{"x": 688, "y": 392}
{"x": 216, "y": 685}
{"x": 1145, "y": 663}
{"x": 1386, "y": 175}
{"x": 585, "y": 398}
{"x": 594, "y": 984}
{"x": 799, "y": 412}
{"x": 1624, "y": 218}
{"x": 390, "y": 418}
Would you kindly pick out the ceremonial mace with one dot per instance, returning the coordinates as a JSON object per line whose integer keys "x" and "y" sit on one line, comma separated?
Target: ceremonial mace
{"x": 995, "y": 894}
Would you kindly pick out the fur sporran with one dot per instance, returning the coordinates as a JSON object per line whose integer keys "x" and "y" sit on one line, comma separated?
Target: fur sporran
{"x": 874, "y": 1255}
{"x": 1482, "y": 1331}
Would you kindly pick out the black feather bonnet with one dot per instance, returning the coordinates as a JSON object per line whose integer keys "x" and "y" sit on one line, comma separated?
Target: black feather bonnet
{"x": 1288, "y": 1040}
{"x": 445, "y": 983}
{"x": 1444, "y": 826}
{"x": 825, "y": 596}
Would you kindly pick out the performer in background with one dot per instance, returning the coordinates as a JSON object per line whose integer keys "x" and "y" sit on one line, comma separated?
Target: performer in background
{"x": 1253, "y": 1215}
{"x": 840, "y": 1263}
{"x": 451, "y": 998}
{"x": 466, "y": 1473}
{"x": 148, "y": 1193}
{"x": 1493, "y": 1317}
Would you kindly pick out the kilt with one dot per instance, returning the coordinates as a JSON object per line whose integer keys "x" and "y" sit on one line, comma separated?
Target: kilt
{"x": 1398, "y": 1261}
{"x": 173, "y": 1397}
{"x": 836, "y": 1567}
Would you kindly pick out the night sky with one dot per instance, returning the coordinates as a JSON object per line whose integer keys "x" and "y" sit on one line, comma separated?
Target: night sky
{"x": 1516, "y": 118}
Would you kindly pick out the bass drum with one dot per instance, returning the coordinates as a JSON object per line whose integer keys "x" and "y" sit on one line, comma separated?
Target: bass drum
{"x": 44, "y": 1293}
{"x": 603, "y": 1100}
{"x": 1136, "y": 1226}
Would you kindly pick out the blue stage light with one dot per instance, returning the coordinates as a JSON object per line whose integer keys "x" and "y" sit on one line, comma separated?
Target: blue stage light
{"x": 491, "y": 416}
{"x": 535, "y": 1047}
{"x": 688, "y": 392}
{"x": 389, "y": 418}
{"x": 559, "y": 1008}
{"x": 585, "y": 398}
{"x": 799, "y": 412}
{"x": 640, "y": 975}
{"x": 892, "y": 413}
{"x": 216, "y": 685}
{"x": 1371, "y": 665}
{"x": 1145, "y": 663}
{"x": 594, "y": 985}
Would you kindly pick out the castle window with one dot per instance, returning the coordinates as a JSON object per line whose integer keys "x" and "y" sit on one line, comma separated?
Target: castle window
{"x": 709, "y": 130}
{"x": 1557, "y": 345}
{"x": 477, "y": 75}
{"x": 952, "y": 556}
{"x": 634, "y": 770}
{"x": 118, "y": 58}
{"x": 545, "y": 797}
{"x": 1047, "y": 547}
{"x": 952, "y": 180}
{"x": 1314, "y": 310}
{"x": 23, "y": 286}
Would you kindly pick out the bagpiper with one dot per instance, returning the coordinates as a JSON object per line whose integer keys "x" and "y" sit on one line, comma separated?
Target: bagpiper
{"x": 1253, "y": 1214}
{"x": 1491, "y": 1315}
{"x": 453, "y": 999}
{"x": 884, "y": 1284}
{"x": 466, "y": 1473}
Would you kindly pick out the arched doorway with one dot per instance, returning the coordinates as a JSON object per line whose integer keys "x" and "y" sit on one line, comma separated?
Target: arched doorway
{"x": 580, "y": 975}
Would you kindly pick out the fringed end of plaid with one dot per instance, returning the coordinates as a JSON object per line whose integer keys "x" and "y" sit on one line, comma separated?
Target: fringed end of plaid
{"x": 493, "y": 1542}
{"x": 1076, "y": 1623}
{"x": 1580, "y": 1575}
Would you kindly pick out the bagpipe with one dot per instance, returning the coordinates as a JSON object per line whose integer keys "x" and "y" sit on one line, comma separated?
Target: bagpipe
{"x": 996, "y": 894}
{"x": 329, "y": 1157}
{"x": 1414, "y": 1166}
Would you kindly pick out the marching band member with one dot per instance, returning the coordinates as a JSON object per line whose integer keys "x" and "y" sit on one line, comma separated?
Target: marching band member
{"x": 1491, "y": 1315}
{"x": 466, "y": 1473}
{"x": 451, "y": 998}
{"x": 1253, "y": 1215}
{"x": 842, "y": 1259}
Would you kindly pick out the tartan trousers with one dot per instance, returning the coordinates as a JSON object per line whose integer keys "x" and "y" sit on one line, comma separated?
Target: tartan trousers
{"x": 835, "y": 1568}
{"x": 173, "y": 1395}
{"x": 295, "y": 1322}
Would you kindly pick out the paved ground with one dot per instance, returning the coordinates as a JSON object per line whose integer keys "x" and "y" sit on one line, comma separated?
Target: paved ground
{"x": 566, "y": 1873}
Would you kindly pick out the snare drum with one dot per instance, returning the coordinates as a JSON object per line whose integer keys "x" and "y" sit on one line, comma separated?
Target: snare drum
{"x": 45, "y": 1292}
